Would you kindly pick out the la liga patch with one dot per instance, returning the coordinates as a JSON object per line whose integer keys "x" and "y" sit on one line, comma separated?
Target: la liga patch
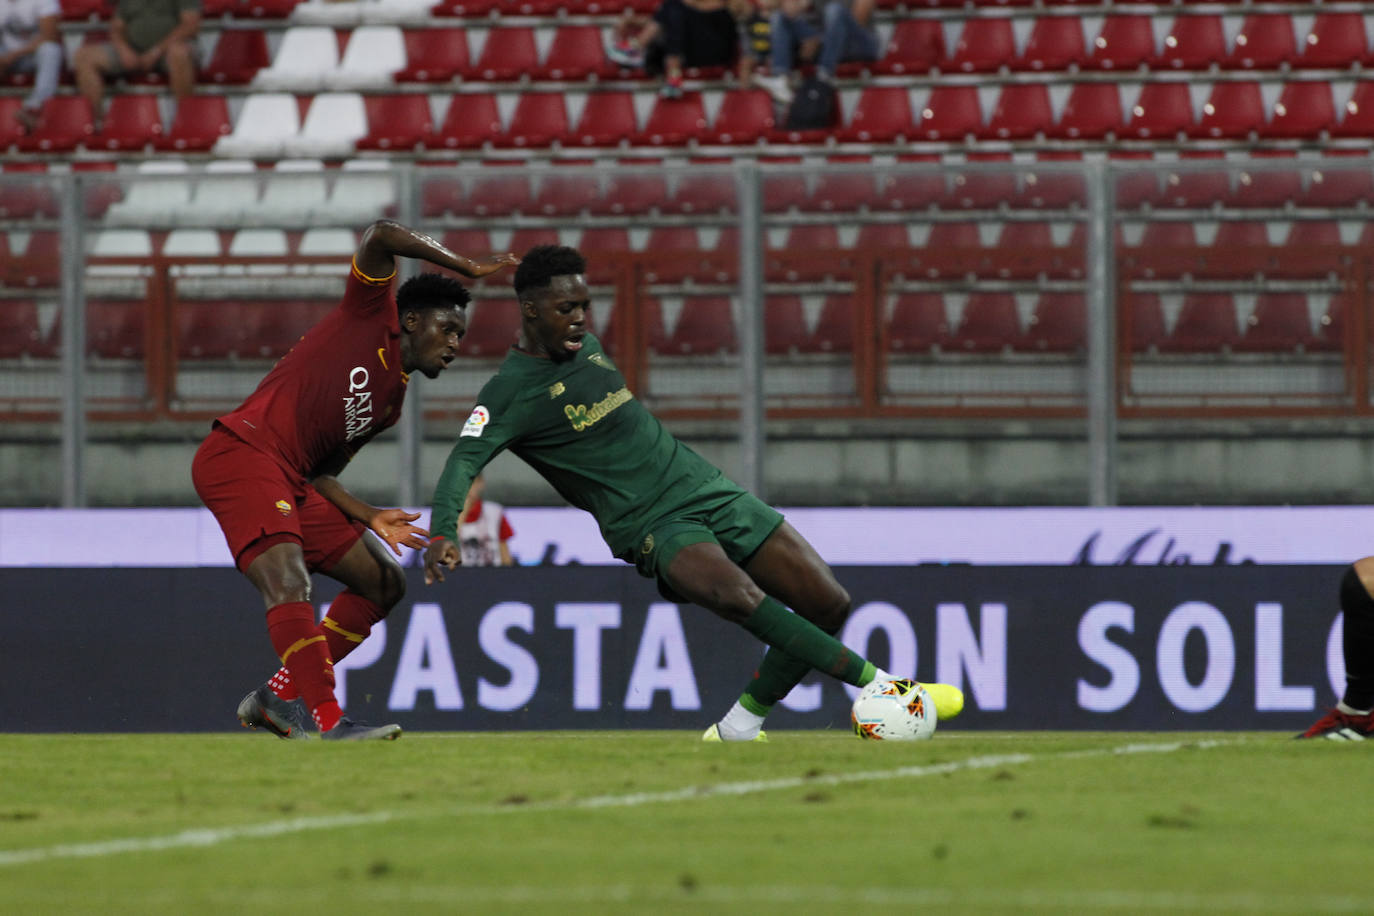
{"x": 477, "y": 421}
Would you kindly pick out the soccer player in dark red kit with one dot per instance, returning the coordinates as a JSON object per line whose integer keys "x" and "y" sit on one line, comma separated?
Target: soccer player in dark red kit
{"x": 267, "y": 471}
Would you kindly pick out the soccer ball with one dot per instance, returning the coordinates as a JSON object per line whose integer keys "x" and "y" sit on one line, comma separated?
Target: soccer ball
{"x": 896, "y": 710}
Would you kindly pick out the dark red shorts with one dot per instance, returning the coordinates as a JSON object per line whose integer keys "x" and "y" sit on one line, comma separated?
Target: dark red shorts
{"x": 259, "y": 504}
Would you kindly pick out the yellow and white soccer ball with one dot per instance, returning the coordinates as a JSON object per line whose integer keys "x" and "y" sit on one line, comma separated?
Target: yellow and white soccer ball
{"x": 894, "y": 710}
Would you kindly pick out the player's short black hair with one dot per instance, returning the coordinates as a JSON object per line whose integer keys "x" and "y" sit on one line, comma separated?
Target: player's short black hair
{"x": 431, "y": 291}
{"x": 543, "y": 263}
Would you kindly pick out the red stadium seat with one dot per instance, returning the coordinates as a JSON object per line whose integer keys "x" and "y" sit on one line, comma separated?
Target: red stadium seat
{"x": 132, "y": 122}
{"x": 1055, "y": 43}
{"x": 607, "y": 119}
{"x": 469, "y": 9}
{"x": 989, "y": 324}
{"x": 577, "y": 52}
{"x": 1092, "y": 112}
{"x": 218, "y": 328}
{"x": 919, "y": 323}
{"x": 881, "y": 115}
{"x": 1168, "y": 234}
{"x": 670, "y": 239}
{"x": 783, "y": 191}
{"x": 469, "y": 242}
{"x": 1046, "y": 190}
{"x": 950, "y": 113}
{"x": 882, "y": 236}
{"x": 1305, "y": 110}
{"x": 1163, "y": 111}
{"x": 811, "y": 238}
{"x": 1206, "y": 323}
{"x": 1358, "y": 120}
{"x": 238, "y": 56}
{"x": 114, "y": 328}
{"x": 1125, "y": 42}
{"x": 397, "y": 122}
{"x": 951, "y": 236}
{"x": 81, "y": 10}
{"x": 522, "y": 240}
{"x": 66, "y": 123}
{"x": 11, "y": 131}
{"x": 632, "y": 192}
{"x": 249, "y": 9}
{"x": 745, "y": 116}
{"x": 1330, "y": 336}
{"x": 439, "y": 194}
{"x": 21, "y": 333}
{"x": 434, "y": 55}
{"x": 784, "y": 324}
{"x": 674, "y": 122}
{"x": 501, "y": 190}
{"x": 1148, "y": 330}
{"x": 471, "y": 122}
{"x": 23, "y": 200}
{"x": 1135, "y": 189}
{"x": 1233, "y": 111}
{"x": 704, "y": 191}
{"x": 1059, "y": 324}
{"x": 1313, "y": 250}
{"x": 916, "y": 46}
{"x": 985, "y": 45}
{"x": 1341, "y": 182}
{"x": 540, "y": 118}
{"x": 846, "y": 191}
{"x": 1265, "y": 42}
{"x": 493, "y": 327}
{"x": 982, "y": 190}
{"x": 566, "y": 194}
{"x": 834, "y": 331}
{"x": 599, "y": 241}
{"x": 1026, "y": 250}
{"x": 507, "y": 54}
{"x": 1337, "y": 41}
{"x": 200, "y": 121}
{"x": 1193, "y": 43}
{"x": 1280, "y": 323}
{"x": 650, "y": 314}
{"x": 912, "y": 189}
{"x": 705, "y": 326}
{"x": 1022, "y": 112}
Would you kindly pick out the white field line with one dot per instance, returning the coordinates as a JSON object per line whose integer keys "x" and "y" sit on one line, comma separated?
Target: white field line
{"x": 213, "y": 836}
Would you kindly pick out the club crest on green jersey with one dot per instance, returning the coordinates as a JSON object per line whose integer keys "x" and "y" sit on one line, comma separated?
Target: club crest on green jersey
{"x": 600, "y": 359}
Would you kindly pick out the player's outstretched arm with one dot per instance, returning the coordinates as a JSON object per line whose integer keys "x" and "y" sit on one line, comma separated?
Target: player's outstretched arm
{"x": 441, "y": 554}
{"x": 387, "y": 239}
{"x": 393, "y": 526}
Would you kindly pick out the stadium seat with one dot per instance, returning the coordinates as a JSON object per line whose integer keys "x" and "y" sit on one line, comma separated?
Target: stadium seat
{"x": 193, "y": 243}
{"x": 650, "y": 313}
{"x": 1304, "y": 110}
{"x": 1163, "y": 111}
{"x": 631, "y": 191}
{"x": 1233, "y": 111}
{"x": 333, "y": 125}
{"x": 1336, "y": 41}
{"x": 306, "y": 55}
{"x": 1279, "y": 323}
{"x": 433, "y": 55}
{"x": 577, "y": 52}
{"x": 950, "y": 113}
{"x": 1168, "y": 234}
{"x": 472, "y": 121}
{"x": 566, "y": 193}
{"x": 160, "y": 198}
{"x": 132, "y": 122}
{"x": 783, "y": 191}
{"x": 239, "y": 54}
{"x": 1148, "y": 330}
{"x": 11, "y": 131}
{"x": 881, "y": 115}
{"x": 217, "y": 329}
{"x": 670, "y": 239}
{"x": 468, "y": 9}
{"x": 540, "y": 119}
{"x": 293, "y": 190}
{"x": 1330, "y": 334}
{"x": 811, "y": 239}
{"x": 1340, "y": 182}
{"x": 280, "y": 324}
{"x": 985, "y": 45}
{"x": 507, "y": 54}
{"x": 1206, "y": 323}
{"x": 397, "y": 122}
{"x": 1265, "y": 42}
{"x": 26, "y": 199}
{"x": 1058, "y": 324}
{"x": 81, "y": 10}
{"x": 114, "y": 329}
{"x": 21, "y": 334}
{"x": 873, "y": 237}
{"x": 1091, "y": 112}
{"x": 1255, "y": 187}
{"x": 1241, "y": 236}
{"x": 1194, "y": 42}
{"x": 500, "y": 190}
{"x": 265, "y": 123}
{"x": 374, "y": 55}
{"x": 784, "y": 324}
{"x": 607, "y": 119}
{"x": 1124, "y": 43}
{"x": 66, "y": 123}
{"x": 834, "y": 331}
{"x": 953, "y": 235}
{"x": 745, "y": 117}
{"x": 37, "y": 264}
{"x": 200, "y": 121}
{"x": 1201, "y": 188}
{"x": 595, "y": 244}
{"x": 704, "y": 190}
{"x": 847, "y": 191}
{"x": 1313, "y": 250}
{"x": 989, "y": 323}
{"x": 910, "y": 186}
{"x": 1049, "y": 190}
{"x": 674, "y": 122}
{"x": 1358, "y": 120}
{"x": 227, "y": 193}
{"x": 916, "y": 46}
{"x": 1055, "y": 44}
{"x": 705, "y": 326}
{"x": 1022, "y": 112}
{"x": 362, "y": 190}
{"x": 919, "y": 323}
{"x": 978, "y": 189}
{"x": 493, "y": 328}
{"x": 259, "y": 243}
{"x": 249, "y": 9}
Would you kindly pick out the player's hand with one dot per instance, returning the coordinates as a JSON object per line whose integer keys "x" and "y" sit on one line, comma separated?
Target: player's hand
{"x": 394, "y": 527}
{"x": 480, "y": 267}
{"x": 441, "y": 554}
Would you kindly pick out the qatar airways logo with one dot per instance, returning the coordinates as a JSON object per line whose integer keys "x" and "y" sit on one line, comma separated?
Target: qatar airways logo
{"x": 357, "y": 404}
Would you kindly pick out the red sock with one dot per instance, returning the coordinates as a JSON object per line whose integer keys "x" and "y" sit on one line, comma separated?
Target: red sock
{"x": 347, "y": 624}
{"x": 301, "y": 645}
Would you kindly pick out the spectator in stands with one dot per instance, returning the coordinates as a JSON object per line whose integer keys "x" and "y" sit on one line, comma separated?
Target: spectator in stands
{"x": 145, "y": 36}
{"x": 483, "y": 530}
{"x": 843, "y": 33}
{"x": 682, "y": 33}
{"x": 29, "y": 43}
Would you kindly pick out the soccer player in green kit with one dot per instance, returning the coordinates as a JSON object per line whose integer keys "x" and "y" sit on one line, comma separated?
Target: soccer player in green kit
{"x": 561, "y": 405}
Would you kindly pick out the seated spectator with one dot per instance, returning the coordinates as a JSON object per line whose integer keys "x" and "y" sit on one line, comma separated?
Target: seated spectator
{"x": 483, "y": 529}
{"x": 29, "y": 43}
{"x": 682, "y": 33}
{"x": 145, "y": 35}
{"x": 843, "y": 34}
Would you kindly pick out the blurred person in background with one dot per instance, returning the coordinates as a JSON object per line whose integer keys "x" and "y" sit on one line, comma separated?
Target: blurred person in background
{"x": 483, "y": 530}
{"x": 682, "y": 33}
{"x": 842, "y": 32}
{"x": 145, "y": 36}
{"x": 30, "y": 43}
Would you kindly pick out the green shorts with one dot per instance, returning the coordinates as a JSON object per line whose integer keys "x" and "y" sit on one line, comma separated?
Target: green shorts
{"x": 738, "y": 521}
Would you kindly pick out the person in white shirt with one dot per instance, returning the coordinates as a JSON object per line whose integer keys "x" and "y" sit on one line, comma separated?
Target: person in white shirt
{"x": 29, "y": 43}
{"x": 483, "y": 530}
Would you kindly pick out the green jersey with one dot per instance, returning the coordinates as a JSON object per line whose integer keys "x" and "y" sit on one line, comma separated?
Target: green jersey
{"x": 578, "y": 425}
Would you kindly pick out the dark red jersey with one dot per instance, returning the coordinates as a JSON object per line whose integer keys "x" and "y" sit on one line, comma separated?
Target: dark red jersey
{"x": 339, "y": 386}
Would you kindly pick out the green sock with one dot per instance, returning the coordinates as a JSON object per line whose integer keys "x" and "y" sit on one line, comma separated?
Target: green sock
{"x": 796, "y": 646}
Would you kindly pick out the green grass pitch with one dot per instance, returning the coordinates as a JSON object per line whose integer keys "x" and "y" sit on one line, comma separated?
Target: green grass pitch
{"x": 657, "y": 822}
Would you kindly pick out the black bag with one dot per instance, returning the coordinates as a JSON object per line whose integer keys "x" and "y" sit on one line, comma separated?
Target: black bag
{"x": 813, "y": 107}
